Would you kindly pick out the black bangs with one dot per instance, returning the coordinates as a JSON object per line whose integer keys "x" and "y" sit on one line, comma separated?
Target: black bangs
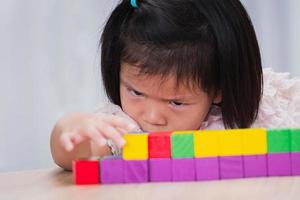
{"x": 191, "y": 63}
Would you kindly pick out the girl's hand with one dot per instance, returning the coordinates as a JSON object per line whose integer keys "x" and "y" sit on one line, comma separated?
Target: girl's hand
{"x": 95, "y": 127}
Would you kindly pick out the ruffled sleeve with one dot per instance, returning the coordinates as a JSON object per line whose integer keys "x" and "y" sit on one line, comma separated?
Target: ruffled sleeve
{"x": 280, "y": 104}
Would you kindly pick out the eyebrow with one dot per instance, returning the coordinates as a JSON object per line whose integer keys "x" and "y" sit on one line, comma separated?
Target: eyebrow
{"x": 178, "y": 98}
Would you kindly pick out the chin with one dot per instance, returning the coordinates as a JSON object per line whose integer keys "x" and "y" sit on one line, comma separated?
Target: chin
{"x": 154, "y": 129}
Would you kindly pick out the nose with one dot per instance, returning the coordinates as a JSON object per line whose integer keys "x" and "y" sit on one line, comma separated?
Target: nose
{"x": 154, "y": 115}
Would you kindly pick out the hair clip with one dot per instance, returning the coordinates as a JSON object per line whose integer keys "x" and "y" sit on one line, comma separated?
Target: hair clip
{"x": 133, "y": 3}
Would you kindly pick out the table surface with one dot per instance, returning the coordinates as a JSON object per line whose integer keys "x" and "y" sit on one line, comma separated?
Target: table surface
{"x": 58, "y": 184}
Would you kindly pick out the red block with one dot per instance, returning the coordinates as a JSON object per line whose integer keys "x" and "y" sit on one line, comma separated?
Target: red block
{"x": 159, "y": 144}
{"x": 86, "y": 172}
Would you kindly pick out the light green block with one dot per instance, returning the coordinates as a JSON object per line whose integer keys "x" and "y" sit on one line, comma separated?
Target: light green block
{"x": 279, "y": 140}
{"x": 295, "y": 140}
{"x": 182, "y": 145}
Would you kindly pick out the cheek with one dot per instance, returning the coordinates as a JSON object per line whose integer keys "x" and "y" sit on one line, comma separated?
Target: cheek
{"x": 122, "y": 97}
{"x": 190, "y": 119}
{"x": 129, "y": 106}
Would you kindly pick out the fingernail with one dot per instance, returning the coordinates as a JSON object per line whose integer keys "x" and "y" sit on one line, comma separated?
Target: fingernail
{"x": 69, "y": 147}
{"x": 131, "y": 126}
{"x": 103, "y": 142}
{"x": 121, "y": 143}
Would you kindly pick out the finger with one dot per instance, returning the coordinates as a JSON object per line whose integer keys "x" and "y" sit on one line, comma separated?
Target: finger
{"x": 119, "y": 122}
{"x": 78, "y": 139}
{"x": 66, "y": 141}
{"x": 122, "y": 131}
{"x": 92, "y": 133}
{"x": 111, "y": 133}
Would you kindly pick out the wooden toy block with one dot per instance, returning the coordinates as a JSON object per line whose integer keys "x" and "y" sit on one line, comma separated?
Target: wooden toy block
{"x": 255, "y": 166}
{"x": 279, "y": 140}
{"x": 182, "y": 144}
{"x": 231, "y": 143}
{"x": 159, "y": 145}
{"x": 295, "y": 140}
{"x": 183, "y": 169}
{"x": 136, "y": 147}
{"x": 254, "y": 141}
{"x": 207, "y": 168}
{"x": 136, "y": 171}
{"x": 279, "y": 164}
{"x": 160, "y": 169}
{"x": 112, "y": 170}
{"x": 295, "y": 162}
{"x": 86, "y": 172}
{"x": 206, "y": 143}
{"x": 231, "y": 167}
{"x": 219, "y": 154}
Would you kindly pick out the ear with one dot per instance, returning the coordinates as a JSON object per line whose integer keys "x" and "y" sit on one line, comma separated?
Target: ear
{"x": 218, "y": 97}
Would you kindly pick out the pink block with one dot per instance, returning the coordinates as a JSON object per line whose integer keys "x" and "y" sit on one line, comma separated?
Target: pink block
{"x": 112, "y": 170}
{"x": 231, "y": 167}
{"x": 207, "y": 168}
{"x": 183, "y": 169}
{"x": 279, "y": 164}
{"x": 160, "y": 169}
{"x": 255, "y": 165}
{"x": 295, "y": 158}
{"x": 135, "y": 171}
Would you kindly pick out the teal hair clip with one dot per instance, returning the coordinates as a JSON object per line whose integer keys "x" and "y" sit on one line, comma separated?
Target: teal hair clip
{"x": 133, "y": 3}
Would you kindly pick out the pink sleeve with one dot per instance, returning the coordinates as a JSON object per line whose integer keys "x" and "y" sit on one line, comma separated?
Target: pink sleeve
{"x": 280, "y": 105}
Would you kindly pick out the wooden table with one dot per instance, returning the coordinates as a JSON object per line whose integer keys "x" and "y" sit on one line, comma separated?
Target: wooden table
{"x": 57, "y": 184}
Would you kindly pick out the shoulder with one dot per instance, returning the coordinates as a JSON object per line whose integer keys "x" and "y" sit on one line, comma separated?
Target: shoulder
{"x": 280, "y": 104}
{"x": 214, "y": 120}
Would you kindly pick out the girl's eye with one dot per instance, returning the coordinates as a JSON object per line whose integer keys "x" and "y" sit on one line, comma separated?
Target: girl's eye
{"x": 176, "y": 103}
{"x": 135, "y": 93}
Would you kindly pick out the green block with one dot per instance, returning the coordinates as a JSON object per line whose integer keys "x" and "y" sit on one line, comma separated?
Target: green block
{"x": 295, "y": 140}
{"x": 279, "y": 140}
{"x": 182, "y": 145}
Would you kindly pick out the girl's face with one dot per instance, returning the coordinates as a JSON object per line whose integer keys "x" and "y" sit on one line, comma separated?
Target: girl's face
{"x": 159, "y": 105}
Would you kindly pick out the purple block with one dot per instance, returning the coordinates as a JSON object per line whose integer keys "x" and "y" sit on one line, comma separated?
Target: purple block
{"x": 160, "y": 169}
{"x": 295, "y": 158}
{"x": 207, "y": 168}
{"x": 183, "y": 169}
{"x": 279, "y": 164}
{"x": 231, "y": 167}
{"x": 255, "y": 166}
{"x": 112, "y": 170}
{"x": 135, "y": 171}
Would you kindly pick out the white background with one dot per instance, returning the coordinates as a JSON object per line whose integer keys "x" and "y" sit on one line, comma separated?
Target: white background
{"x": 49, "y": 65}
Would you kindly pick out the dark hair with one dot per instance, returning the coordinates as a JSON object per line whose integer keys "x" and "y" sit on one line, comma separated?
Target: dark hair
{"x": 211, "y": 43}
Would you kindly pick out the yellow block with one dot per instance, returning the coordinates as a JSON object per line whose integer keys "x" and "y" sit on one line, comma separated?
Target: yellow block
{"x": 254, "y": 141}
{"x": 231, "y": 142}
{"x": 136, "y": 147}
{"x": 184, "y": 132}
{"x": 206, "y": 143}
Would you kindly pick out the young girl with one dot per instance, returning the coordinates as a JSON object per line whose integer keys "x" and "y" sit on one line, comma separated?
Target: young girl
{"x": 178, "y": 65}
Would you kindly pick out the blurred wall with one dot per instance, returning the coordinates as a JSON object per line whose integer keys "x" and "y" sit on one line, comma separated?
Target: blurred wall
{"x": 277, "y": 26}
{"x": 49, "y": 65}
